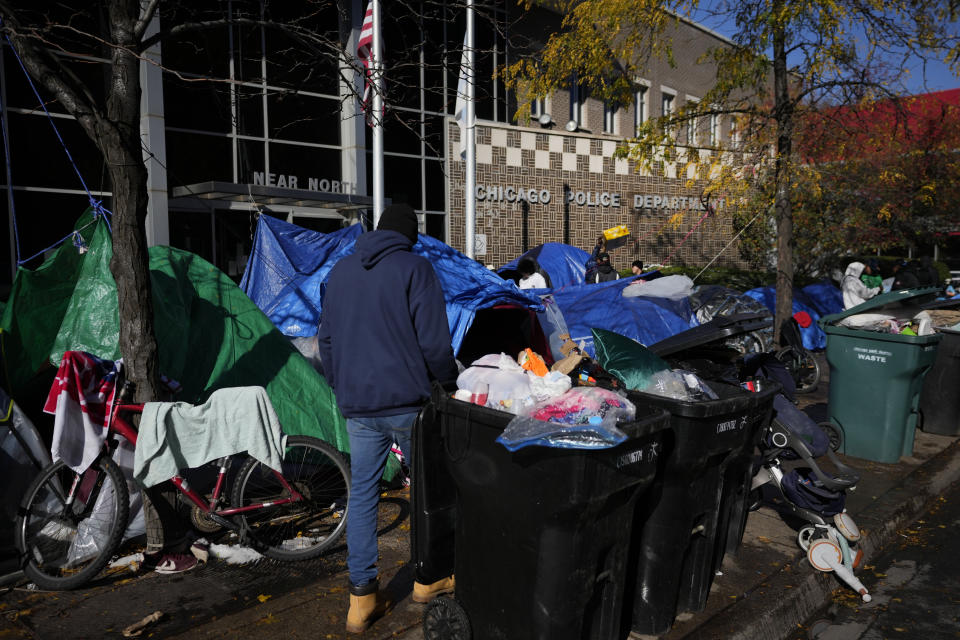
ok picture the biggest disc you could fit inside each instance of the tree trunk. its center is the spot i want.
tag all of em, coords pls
(120, 143)
(783, 108)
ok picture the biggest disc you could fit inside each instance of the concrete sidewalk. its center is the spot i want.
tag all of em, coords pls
(765, 591)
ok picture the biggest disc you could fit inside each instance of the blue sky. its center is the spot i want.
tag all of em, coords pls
(923, 78)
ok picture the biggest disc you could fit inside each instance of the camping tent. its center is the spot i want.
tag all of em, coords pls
(288, 266)
(210, 335)
(564, 264)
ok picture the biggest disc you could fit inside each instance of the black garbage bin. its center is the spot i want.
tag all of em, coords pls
(939, 400)
(540, 535)
(680, 538)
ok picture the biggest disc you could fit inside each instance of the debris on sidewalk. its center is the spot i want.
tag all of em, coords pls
(137, 628)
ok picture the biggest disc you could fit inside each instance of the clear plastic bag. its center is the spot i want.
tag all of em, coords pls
(507, 383)
(679, 385)
(582, 418)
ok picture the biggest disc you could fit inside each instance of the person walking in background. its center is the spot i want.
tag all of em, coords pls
(637, 267)
(383, 336)
(853, 288)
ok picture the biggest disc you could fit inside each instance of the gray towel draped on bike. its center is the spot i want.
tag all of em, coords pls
(179, 435)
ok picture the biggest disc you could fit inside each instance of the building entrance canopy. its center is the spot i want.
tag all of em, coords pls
(205, 195)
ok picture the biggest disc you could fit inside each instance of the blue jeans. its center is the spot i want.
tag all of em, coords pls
(370, 440)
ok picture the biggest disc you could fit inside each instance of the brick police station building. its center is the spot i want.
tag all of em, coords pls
(235, 125)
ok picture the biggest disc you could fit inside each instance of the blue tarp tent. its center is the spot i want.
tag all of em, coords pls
(813, 336)
(824, 296)
(288, 266)
(563, 263)
(646, 320)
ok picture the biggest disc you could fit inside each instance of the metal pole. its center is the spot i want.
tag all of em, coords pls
(470, 191)
(377, 117)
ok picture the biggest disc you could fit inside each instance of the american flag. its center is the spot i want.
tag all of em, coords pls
(365, 53)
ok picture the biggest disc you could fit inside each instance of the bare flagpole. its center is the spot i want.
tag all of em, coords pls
(470, 191)
(377, 117)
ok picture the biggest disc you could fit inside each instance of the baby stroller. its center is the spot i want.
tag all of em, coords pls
(806, 491)
(801, 364)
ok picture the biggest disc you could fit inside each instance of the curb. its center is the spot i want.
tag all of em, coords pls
(789, 597)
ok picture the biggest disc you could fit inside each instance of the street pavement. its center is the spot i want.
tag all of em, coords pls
(764, 591)
(915, 585)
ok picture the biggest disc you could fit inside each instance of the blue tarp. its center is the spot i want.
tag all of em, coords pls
(813, 336)
(288, 266)
(646, 320)
(824, 296)
(563, 263)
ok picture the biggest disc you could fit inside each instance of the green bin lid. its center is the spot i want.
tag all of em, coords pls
(876, 302)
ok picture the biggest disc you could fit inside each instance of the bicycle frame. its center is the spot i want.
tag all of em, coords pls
(118, 425)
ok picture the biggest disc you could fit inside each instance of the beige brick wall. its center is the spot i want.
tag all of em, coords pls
(535, 158)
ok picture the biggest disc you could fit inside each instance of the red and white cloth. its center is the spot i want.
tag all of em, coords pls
(80, 400)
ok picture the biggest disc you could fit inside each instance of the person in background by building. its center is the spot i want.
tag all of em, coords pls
(904, 276)
(529, 277)
(592, 262)
(637, 267)
(927, 273)
(383, 336)
(605, 272)
(853, 288)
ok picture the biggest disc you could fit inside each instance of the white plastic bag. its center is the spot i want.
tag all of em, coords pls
(670, 287)
(508, 386)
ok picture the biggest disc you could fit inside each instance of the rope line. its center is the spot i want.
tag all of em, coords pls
(728, 245)
(699, 222)
(75, 234)
(99, 211)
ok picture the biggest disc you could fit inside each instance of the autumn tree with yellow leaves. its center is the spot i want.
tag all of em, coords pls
(787, 61)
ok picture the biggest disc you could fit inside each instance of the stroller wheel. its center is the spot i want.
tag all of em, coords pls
(805, 536)
(833, 433)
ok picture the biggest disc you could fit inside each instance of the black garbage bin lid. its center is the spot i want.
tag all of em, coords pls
(717, 329)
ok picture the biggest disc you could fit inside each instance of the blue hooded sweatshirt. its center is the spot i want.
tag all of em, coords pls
(383, 332)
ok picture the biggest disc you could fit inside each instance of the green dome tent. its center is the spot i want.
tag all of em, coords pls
(210, 334)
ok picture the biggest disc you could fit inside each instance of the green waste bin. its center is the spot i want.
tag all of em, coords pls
(876, 378)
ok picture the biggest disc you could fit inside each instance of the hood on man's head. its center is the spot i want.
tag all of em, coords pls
(400, 218)
(603, 257)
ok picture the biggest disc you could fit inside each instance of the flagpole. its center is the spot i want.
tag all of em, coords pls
(377, 117)
(470, 191)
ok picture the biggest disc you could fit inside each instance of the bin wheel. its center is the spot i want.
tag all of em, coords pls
(805, 536)
(833, 433)
(445, 619)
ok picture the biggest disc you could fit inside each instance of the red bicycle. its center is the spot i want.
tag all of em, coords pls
(71, 524)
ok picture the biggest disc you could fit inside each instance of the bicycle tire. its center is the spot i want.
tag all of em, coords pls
(808, 374)
(300, 530)
(46, 539)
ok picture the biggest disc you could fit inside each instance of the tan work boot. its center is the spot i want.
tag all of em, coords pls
(367, 604)
(424, 593)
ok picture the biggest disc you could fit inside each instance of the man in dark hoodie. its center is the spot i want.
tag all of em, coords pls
(605, 272)
(383, 336)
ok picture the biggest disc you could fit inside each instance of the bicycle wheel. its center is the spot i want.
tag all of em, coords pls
(65, 545)
(808, 373)
(303, 529)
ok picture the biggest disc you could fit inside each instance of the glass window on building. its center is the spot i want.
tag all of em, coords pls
(714, 129)
(639, 107)
(692, 124)
(610, 113)
(666, 103)
(577, 99)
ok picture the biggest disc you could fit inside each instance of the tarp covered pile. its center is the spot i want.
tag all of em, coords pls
(288, 266)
